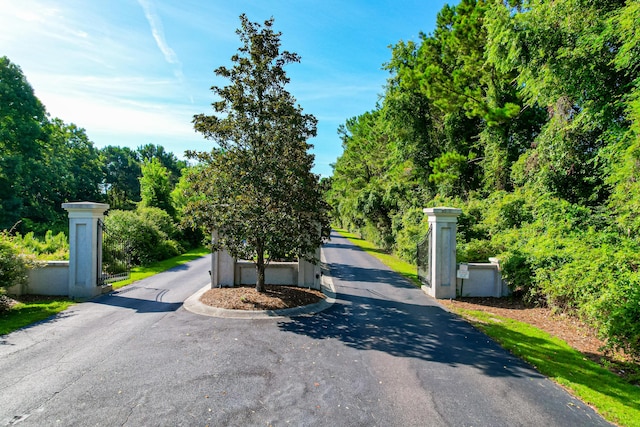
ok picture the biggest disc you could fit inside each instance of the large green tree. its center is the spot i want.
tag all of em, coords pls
(257, 189)
(122, 172)
(67, 169)
(563, 54)
(43, 162)
(169, 160)
(22, 117)
(155, 189)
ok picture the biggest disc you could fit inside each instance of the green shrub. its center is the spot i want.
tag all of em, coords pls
(505, 211)
(160, 219)
(476, 250)
(13, 264)
(412, 227)
(587, 273)
(143, 231)
(518, 271)
(601, 284)
(51, 247)
(471, 224)
(616, 314)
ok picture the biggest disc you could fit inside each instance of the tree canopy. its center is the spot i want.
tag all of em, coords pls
(256, 188)
(21, 135)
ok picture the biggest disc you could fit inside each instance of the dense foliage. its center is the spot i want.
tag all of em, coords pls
(49, 247)
(525, 114)
(256, 189)
(151, 234)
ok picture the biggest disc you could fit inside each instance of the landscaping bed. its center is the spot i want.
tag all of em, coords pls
(276, 297)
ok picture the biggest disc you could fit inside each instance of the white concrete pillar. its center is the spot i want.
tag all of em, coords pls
(85, 247)
(309, 273)
(222, 266)
(443, 222)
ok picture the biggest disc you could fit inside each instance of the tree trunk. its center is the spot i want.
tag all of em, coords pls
(260, 272)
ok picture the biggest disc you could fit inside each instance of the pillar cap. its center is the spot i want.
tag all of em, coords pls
(84, 206)
(85, 209)
(442, 211)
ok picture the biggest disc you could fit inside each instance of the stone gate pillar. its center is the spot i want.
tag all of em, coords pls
(309, 273)
(222, 266)
(85, 247)
(443, 222)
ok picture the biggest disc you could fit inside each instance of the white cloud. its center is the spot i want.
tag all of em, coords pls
(157, 30)
(129, 123)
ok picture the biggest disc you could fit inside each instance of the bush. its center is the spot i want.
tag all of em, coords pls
(476, 250)
(161, 219)
(505, 211)
(147, 232)
(601, 284)
(588, 273)
(50, 248)
(413, 226)
(616, 314)
(13, 265)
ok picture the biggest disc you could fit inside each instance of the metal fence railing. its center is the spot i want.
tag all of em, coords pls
(424, 249)
(114, 257)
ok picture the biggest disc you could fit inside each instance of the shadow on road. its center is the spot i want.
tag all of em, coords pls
(351, 247)
(137, 304)
(369, 316)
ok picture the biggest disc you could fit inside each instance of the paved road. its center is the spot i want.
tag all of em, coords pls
(384, 354)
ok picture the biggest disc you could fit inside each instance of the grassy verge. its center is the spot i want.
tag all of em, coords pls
(34, 310)
(396, 264)
(615, 399)
(139, 273)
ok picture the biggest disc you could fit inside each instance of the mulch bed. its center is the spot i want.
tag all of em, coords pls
(276, 297)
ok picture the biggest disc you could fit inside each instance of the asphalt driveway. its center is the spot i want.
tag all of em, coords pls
(384, 354)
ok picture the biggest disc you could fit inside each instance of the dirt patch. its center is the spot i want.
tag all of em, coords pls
(276, 297)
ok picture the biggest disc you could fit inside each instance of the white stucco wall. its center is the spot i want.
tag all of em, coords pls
(485, 280)
(276, 273)
(52, 278)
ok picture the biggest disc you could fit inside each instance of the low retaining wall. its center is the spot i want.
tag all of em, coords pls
(485, 280)
(299, 273)
(50, 279)
(280, 273)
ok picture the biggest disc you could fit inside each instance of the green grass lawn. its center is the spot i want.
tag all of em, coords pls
(615, 399)
(34, 310)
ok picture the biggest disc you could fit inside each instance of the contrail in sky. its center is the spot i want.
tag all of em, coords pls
(157, 30)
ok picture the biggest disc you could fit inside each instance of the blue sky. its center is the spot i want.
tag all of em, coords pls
(134, 72)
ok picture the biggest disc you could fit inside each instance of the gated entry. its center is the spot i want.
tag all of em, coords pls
(425, 246)
(114, 257)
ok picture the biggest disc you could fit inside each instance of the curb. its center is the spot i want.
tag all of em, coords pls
(194, 305)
